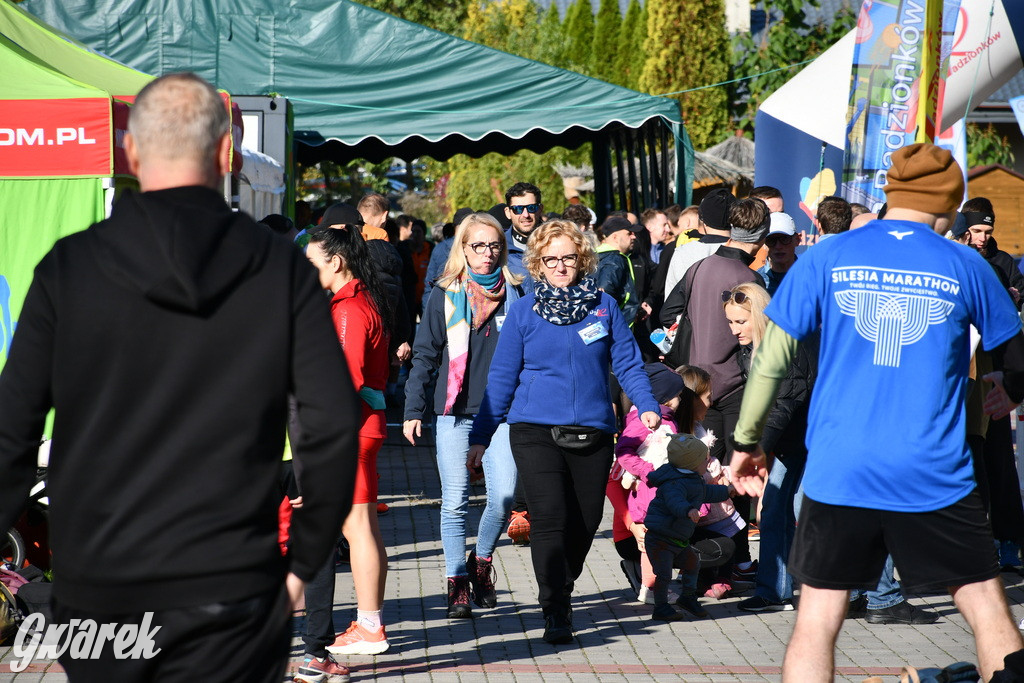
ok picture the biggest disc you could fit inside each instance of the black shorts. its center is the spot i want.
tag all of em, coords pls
(840, 547)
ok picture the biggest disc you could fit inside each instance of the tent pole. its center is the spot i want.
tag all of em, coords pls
(645, 180)
(617, 142)
(657, 197)
(600, 158)
(667, 198)
(630, 138)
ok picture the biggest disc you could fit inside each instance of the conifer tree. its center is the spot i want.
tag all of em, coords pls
(578, 30)
(689, 48)
(606, 41)
(631, 52)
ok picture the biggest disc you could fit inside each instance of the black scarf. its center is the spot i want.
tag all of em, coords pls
(565, 305)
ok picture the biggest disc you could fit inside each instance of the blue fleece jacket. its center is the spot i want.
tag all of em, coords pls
(546, 374)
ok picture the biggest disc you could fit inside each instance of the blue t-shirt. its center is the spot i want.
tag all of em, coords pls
(895, 301)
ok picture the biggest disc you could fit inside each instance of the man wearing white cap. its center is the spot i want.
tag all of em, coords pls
(781, 242)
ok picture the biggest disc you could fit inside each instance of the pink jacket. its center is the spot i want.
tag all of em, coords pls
(633, 435)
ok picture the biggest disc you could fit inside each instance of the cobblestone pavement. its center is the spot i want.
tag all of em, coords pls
(616, 640)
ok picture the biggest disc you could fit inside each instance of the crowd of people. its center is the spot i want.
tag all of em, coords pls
(707, 371)
(575, 363)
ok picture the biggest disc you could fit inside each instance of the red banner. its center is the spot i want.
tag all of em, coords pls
(120, 128)
(69, 137)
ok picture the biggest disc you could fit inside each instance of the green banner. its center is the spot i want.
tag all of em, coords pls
(33, 215)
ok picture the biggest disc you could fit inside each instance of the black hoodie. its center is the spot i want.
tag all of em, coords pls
(168, 338)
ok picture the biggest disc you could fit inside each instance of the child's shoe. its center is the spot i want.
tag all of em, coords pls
(666, 613)
(689, 603)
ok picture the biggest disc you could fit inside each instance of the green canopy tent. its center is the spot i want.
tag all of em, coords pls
(365, 84)
(56, 147)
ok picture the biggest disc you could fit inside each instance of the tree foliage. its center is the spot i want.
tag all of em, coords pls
(790, 38)
(629, 61)
(985, 145)
(605, 47)
(443, 15)
(692, 50)
(579, 36)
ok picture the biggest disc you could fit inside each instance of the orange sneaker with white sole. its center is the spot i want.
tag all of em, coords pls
(358, 640)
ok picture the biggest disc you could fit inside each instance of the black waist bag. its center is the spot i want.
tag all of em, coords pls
(575, 437)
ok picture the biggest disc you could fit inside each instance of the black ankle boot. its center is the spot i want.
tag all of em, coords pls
(458, 598)
(481, 576)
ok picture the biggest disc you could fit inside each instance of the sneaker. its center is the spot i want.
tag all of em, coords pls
(481, 576)
(666, 613)
(690, 603)
(759, 604)
(557, 629)
(382, 509)
(358, 640)
(744, 577)
(901, 613)
(321, 670)
(753, 532)
(458, 598)
(519, 527)
(646, 595)
(718, 591)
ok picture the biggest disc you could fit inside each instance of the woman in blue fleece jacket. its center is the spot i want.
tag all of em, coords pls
(549, 381)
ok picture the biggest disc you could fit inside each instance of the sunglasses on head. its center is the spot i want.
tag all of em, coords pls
(518, 209)
(735, 297)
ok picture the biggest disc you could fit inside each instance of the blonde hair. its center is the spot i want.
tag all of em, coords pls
(586, 263)
(755, 303)
(456, 266)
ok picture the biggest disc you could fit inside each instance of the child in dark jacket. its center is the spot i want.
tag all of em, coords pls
(672, 517)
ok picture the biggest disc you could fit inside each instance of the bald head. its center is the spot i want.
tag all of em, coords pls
(178, 125)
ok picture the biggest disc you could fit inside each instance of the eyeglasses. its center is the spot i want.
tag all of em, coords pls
(569, 260)
(784, 240)
(481, 247)
(735, 297)
(518, 209)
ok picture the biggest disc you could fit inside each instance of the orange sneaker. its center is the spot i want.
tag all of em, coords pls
(358, 640)
(382, 508)
(519, 527)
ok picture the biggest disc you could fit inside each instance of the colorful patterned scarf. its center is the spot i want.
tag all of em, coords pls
(468, 303)
(565, 305)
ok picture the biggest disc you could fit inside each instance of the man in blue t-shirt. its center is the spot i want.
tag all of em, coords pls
(888, 468)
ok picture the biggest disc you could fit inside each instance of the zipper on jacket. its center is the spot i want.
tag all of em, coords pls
(572, 376)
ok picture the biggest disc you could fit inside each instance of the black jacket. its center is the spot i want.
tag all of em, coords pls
(167, 338)
(785, 430)
(430, 357)
(1006, 269)
(389, 266)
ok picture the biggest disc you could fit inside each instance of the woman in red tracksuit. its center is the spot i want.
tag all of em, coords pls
(363, 319)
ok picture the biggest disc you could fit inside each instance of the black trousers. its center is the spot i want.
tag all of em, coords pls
(319, 631)
(721, 419)
(247, 640)
(565, 493)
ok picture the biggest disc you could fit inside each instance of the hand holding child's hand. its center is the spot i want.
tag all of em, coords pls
(694, 515)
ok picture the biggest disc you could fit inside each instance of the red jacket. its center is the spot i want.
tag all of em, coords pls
(365, 342)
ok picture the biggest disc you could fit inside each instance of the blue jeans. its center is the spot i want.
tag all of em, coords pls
(886, 594)
(778, 527)
(499, 476)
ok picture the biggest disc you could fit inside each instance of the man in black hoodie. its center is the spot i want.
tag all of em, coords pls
(167, 338)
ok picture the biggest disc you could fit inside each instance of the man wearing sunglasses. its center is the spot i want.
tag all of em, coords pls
(524, 208)
(781, 243)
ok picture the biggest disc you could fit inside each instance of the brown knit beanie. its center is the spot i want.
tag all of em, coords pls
(925, 178)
